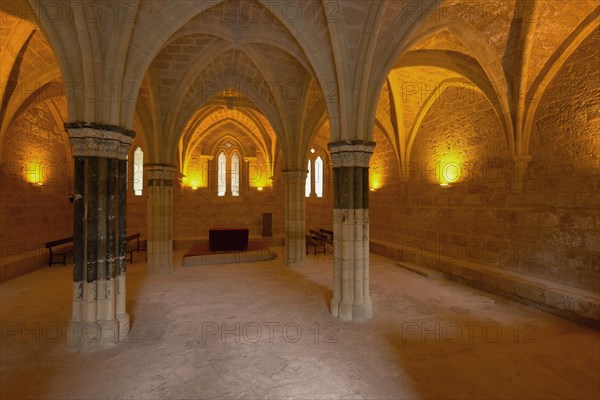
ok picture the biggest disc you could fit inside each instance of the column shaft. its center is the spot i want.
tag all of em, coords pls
(351, 298)
(160, 217)
(295, 217)
(99, 317)
(122, 315)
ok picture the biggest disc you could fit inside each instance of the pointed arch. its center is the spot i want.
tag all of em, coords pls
(319, 176)
(235, 174)
(308, 186)
(221, 174)
(551, 69)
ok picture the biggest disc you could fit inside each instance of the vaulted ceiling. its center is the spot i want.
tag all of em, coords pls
(175, 70)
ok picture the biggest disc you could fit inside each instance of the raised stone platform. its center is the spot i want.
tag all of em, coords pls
(565, 301)
(200, 254)
(184, 243)
(418, 269)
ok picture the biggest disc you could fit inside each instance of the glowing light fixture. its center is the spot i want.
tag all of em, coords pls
(312, 151)
(34, 174)
(260, 189)
(375, 179)
(194, 183)
(450, 169)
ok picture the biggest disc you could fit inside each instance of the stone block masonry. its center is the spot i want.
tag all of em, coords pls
(549, 231)
(36, 184)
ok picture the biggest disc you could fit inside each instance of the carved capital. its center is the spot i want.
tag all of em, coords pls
(160, 174)
(351, 154)
(89, 140)
(294, 176)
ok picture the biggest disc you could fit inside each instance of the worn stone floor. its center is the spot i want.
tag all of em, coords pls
(261, 331)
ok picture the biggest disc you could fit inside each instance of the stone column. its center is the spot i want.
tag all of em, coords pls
(351, 298)
(159, 218)
(99, 316)
(295, 222)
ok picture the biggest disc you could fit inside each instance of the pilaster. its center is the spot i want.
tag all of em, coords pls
(521, 164)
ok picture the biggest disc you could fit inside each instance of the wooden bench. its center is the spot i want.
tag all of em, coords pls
(317, 240)
(61, 247)
(328, 235)
(132, 245)
(64, 247)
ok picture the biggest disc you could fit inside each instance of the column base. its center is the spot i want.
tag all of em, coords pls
(362, 312)
(123, 326)
(351, 312)
(73, 336)
(109, 332)
(291, 263)
(345, 311)
(160, 261)
(334, 307)
(295, 254)
(90, 336)
(160, 269)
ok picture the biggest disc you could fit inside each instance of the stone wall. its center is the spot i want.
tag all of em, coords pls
(551, 230)
(196, 211)
(564, 183)
(34, 150)
(319, 212)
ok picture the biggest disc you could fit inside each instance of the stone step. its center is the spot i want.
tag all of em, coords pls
(419, 269)
(565, 301)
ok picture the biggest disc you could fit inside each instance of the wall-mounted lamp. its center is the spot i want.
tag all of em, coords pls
(260, 189)
(445, 185)
(36, 181)
(194, 187)
(376, 185)
(33, 175)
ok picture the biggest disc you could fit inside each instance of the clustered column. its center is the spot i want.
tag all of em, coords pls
(99, 316)
(160, 217)
(295, 224)
(351, 298)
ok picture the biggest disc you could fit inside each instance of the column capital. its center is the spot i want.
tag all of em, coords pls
(160, 174)
(98, 140)
(160, 171)
(351, 153)
(294, 175)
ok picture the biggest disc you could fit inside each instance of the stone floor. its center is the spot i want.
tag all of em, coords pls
(258, 331)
